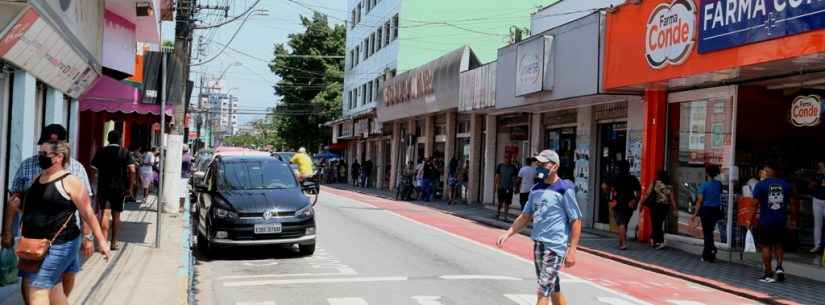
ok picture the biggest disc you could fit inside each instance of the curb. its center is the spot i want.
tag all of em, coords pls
(186, 265)
(745, 293)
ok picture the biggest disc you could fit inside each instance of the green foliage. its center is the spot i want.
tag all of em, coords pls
(310, 87)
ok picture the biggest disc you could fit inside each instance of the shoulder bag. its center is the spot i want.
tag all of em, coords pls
(35, 249)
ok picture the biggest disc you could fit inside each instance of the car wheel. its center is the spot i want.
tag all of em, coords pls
(307, 250)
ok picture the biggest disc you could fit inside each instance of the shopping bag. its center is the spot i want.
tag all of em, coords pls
(750, 244)
(8, 267)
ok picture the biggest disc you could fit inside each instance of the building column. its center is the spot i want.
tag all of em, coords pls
(411, 149)
(653, 138)
(395, 143)
(380, 172)
(429, 121)
(585, 171)
(368, 156)
(490, 136)
(21, 136)
(55, 107)
(475, 158)
(449, 147)
(535, 135)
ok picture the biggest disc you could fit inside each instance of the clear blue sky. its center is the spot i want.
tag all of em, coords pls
(252, 77)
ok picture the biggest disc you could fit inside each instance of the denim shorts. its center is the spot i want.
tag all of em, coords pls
(61, 258)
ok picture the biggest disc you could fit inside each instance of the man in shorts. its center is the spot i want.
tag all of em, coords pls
(504, 181)
(774, 196)
(115, 175)
(556, 220)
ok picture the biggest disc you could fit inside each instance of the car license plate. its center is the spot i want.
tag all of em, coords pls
(268, 228)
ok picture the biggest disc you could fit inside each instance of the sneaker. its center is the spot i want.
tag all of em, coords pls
(816, 250)
(767, 278)
(660, 246)
(780, 274)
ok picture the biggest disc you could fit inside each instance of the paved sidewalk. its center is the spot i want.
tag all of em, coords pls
(138, 273)
(734, 278)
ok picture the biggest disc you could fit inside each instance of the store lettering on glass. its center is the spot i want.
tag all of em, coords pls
(730, 23)
(669, 35)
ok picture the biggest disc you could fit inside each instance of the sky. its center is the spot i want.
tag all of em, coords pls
(251, 78)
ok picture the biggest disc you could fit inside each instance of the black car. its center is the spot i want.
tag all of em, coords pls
(253, 200)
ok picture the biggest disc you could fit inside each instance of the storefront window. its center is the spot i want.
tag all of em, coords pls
(700, 134)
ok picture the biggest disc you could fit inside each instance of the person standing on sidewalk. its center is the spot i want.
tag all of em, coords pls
(527, 178)
(774, 196)
(556, 230)
(504, 182)
(430, 176)
(664, 202)
(185, 174)
(355, 171)
(50, 210)
(28, 171)
(366, 171)
(626, 189)
(115, 175)
(818, 187)
(147, 172)
(709, 209)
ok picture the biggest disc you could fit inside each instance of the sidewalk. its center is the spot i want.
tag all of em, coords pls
(739, 279)
(138, 273)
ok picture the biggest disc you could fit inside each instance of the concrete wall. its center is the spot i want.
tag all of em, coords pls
(585, 164)
(560, 13)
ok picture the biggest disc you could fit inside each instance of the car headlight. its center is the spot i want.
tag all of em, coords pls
(224, 213)
(305, 212)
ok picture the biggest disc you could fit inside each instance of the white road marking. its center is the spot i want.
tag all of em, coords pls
(316, 281)
(680, 302)
(522, 299)
(280, 275)
(252, 264)
(494, 249)
(479, 277)
(614, 301)
(428, 300)
(255, 303)
(347, 301)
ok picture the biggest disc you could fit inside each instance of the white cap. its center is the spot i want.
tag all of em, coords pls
(302, 150)
(548, 155)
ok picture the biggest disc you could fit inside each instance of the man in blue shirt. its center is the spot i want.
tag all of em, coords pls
(556, 228)
(774, 196)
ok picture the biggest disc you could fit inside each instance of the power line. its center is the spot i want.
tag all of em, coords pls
(228, 21)
(227, 44)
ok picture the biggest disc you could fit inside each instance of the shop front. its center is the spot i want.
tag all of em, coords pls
(549, 96)
(729, 93)
(420, 106)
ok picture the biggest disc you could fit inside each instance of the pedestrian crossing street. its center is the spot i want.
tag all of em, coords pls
(507, 299)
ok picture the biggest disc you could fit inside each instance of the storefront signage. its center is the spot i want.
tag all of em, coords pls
(529, 66)
(35, 46)
(83, 18)
(419, 84)
(119, 43)
(670, 32)
(478, 88)
(806, 111)
(727, 24)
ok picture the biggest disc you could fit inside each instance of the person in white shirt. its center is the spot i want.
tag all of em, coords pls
(527, 178)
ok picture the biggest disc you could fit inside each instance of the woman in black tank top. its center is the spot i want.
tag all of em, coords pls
(52, 201)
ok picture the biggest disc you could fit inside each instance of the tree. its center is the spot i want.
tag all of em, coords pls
(310, 87)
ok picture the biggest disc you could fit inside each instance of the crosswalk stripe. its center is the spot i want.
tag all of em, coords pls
(255, 303)
(614, 301)
(428, 300)
(521, 299)
(680, 302)
(347, 301)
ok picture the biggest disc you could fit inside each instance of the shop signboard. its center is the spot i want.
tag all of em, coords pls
(119, 43)
(806, 111)
(529, 66)
(727, 24)
(478, 88)
(35, 46)
(82, 18)
(669, 34)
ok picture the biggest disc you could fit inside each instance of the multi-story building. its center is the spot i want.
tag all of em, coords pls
(387, 37)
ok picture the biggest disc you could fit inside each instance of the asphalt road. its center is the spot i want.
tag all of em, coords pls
(370, 255)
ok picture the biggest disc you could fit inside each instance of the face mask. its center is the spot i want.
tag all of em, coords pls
(542, 172)
(44, 161)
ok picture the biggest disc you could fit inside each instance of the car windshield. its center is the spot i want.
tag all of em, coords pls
(257, 174)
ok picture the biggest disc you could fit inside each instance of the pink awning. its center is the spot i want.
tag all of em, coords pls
(110, 95)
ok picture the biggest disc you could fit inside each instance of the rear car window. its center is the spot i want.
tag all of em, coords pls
(256, 174)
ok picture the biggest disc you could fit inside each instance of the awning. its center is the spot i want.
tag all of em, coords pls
(110, 95)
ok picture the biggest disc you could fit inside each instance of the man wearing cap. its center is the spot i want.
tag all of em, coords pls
(556, 220)
(23, 178)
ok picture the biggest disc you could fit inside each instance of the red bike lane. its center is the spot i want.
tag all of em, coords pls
(639, 284)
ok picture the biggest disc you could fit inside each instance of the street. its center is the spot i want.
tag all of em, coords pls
(374, 253)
